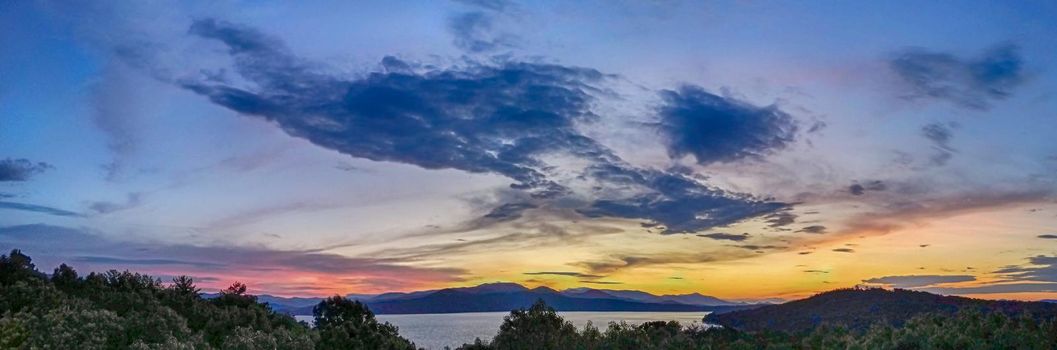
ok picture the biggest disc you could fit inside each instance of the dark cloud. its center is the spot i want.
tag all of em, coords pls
(677, 203)
(602, 282)
(563, 273)
(996, 288)
(622, 262)
(726, 236)
(804, 253)
(20, 169)
(859, 189)
(755, 247)
(971, 83)
(501, 118)
(104, 207)
(781, 218)
(940, 135)
(496, 119)
(918, 281)
(474, 32)
(38, 209)
(713, 128)
(509, 211)
(1038, 275)
(816, 229)
(844, 250)
(1048, 236)
(1041, 268)
(816, 271)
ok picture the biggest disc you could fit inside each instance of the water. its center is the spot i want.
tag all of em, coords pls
(435, 331)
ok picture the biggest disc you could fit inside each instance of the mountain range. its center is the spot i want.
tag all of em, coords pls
(504, 297)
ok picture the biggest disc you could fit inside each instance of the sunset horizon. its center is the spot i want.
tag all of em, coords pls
(748, 151)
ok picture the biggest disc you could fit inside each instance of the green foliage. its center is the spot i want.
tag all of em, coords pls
(541, 328)
(859, 309)
(347, 324)
(126, 310)
(538, 327)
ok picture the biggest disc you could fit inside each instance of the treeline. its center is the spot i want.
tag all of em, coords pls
(858, 309)
(540, 327)
(125, 310)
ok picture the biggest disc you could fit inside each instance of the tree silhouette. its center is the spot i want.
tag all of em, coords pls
(348, 324)
(184, 286)
(538, 327)
(65, 278)
(18, 267)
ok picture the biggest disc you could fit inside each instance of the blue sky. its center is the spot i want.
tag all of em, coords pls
(322, 147)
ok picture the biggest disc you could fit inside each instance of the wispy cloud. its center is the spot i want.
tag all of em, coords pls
(918, 281)
(858, 189)
(38, 209)
(563, 273)
(940, 135)
(973, 83)
(726, 236)
(132, 200)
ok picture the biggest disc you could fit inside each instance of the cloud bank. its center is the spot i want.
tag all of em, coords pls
(508, 118)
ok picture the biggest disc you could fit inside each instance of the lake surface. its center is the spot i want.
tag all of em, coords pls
(435, 331)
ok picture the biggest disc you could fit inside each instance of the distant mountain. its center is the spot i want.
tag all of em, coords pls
(858, 309)
(508, 296)
(284, 304)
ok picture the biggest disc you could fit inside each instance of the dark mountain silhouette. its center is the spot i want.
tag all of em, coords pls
(858, 309)
(508, 296)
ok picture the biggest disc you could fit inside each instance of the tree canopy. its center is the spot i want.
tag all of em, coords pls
(127, 310)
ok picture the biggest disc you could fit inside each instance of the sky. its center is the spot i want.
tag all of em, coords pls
(742, 149)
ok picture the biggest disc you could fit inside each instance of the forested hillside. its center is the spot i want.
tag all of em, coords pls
(125, 310)
(859, 309)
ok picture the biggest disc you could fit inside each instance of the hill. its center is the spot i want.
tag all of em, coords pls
(858, 309)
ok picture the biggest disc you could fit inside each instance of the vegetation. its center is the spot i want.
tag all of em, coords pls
(540, 327)
(858, 309)
(125, 310)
